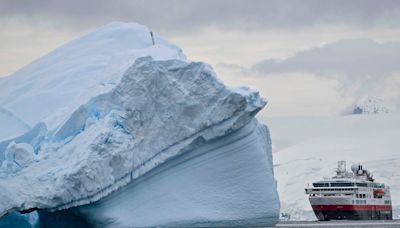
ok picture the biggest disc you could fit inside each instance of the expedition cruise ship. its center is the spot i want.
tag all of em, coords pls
(350, 195)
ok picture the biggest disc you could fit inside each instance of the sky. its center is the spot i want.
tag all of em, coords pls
(307, 58)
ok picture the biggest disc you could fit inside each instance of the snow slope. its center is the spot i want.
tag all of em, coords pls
(11, 125)
(53, 86)
(307, 149)
(159, 111)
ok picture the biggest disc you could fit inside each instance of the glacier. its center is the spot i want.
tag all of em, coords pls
(138, 136)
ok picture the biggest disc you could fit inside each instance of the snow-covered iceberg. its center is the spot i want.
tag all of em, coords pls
(168, 145)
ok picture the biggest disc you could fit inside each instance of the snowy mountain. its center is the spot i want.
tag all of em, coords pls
(370, 106)
(122, 125)
(307, 149)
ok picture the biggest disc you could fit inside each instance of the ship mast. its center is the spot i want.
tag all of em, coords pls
(341, 169)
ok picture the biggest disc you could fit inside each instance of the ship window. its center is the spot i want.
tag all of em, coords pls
(376, 185)
(321, 185)
(362, 185)
(341, 184)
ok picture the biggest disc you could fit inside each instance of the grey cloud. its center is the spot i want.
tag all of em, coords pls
(361, 65)
(183, 15)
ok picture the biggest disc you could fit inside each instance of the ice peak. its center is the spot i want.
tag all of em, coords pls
(81, 69)
(123, 30)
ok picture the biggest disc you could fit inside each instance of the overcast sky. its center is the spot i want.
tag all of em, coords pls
(306, 57)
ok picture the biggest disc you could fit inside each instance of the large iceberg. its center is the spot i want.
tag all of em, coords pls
(167, 145)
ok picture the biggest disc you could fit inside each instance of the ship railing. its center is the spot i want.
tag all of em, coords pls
(332, 190)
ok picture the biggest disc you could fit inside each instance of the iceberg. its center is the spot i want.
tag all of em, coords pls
(167, 145)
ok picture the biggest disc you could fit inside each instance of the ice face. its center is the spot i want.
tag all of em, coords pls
(160, 110)
(224, 182)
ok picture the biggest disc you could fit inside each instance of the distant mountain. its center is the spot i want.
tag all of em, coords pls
(370, 106)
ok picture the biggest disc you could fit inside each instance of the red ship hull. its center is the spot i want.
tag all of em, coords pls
(353, 212)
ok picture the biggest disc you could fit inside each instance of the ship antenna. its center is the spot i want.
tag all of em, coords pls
(152, 37)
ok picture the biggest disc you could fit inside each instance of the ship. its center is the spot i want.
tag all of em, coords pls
(350, 196)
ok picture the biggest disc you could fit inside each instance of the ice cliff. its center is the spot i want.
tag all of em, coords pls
(166, 144)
